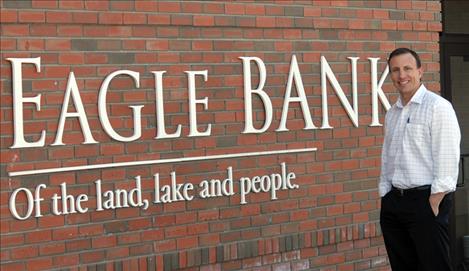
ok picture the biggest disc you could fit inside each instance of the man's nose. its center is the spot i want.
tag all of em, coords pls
(402, 74)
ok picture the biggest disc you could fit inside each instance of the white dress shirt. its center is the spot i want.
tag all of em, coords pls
(421, 144)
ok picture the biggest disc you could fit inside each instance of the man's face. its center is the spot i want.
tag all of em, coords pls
(405, 75)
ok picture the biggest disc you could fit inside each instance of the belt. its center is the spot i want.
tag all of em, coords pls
(402, 192)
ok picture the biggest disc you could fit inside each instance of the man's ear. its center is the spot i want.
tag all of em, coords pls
(420, 71)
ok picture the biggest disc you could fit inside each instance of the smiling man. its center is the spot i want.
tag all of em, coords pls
(419, 171)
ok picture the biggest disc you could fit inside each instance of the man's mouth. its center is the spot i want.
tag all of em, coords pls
(403, 83)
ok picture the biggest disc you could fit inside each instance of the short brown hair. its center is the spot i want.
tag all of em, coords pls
(401, 51)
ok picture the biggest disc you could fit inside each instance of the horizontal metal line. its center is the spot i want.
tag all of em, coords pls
(154, 162)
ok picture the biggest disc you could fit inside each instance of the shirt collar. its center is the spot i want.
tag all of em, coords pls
(417, 98)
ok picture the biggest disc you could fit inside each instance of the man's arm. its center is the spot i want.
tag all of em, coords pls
(384, 184)
(446, 138)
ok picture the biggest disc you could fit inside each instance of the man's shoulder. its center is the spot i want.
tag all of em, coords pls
(434, 100)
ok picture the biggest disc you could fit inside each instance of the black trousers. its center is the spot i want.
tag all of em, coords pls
(416, 239)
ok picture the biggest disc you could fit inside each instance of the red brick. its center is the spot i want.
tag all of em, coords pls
(121, 5)
(69, 30)
(404, 25)
(12, 240)
(419, 5)
(189, 7)
(210, 7)
(85, 17)
(202, 45)
(104, 241)
(51, 221)
(58, 17)
(54, 248)
(165, 245)
(407, 4)
(111, 18)
(15, 30)
(435, 26)
(43, 30)
(187, 242)
(134, 18)
(96, 5)
(44, 4)
(93, 256)
(31, 17)
(170, 7)
(234, 8)
(203, 20)
(31, 44)
(158, 19)
(275, 10)
(24, 252)
(312, 11)
(427, 16)
(380, 14)
(58, 45)
(63, 234)
(8, 16)
(255, 10)
(157, 45)
(434, 6)
(39, 264)
(39, 236)
(284, 22)
(389, 25)
(66, 260)
(265, 22)
(72, 4)
(71, 58)
(146, 6)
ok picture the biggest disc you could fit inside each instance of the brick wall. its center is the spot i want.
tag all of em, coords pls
(331, 222)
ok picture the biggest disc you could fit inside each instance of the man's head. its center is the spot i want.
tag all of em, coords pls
(406, 72)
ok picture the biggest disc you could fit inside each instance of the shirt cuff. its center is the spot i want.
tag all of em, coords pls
(444, 185)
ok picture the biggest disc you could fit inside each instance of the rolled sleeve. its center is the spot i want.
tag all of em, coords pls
(446, 138)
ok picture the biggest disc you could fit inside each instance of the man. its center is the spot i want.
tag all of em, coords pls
(419, 170)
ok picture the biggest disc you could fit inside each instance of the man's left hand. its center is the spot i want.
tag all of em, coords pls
(435, 200)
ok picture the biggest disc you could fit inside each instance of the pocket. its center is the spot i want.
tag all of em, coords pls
(386, 196)
(428, 207)
(445, 208)
(386, 205)
(431, 209)
(417, 133)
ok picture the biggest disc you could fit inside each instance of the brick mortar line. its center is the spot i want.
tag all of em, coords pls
(214, 39)
(191, 64)
(246, 28)
(227, 51)
(215, 16)
(240, 3)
